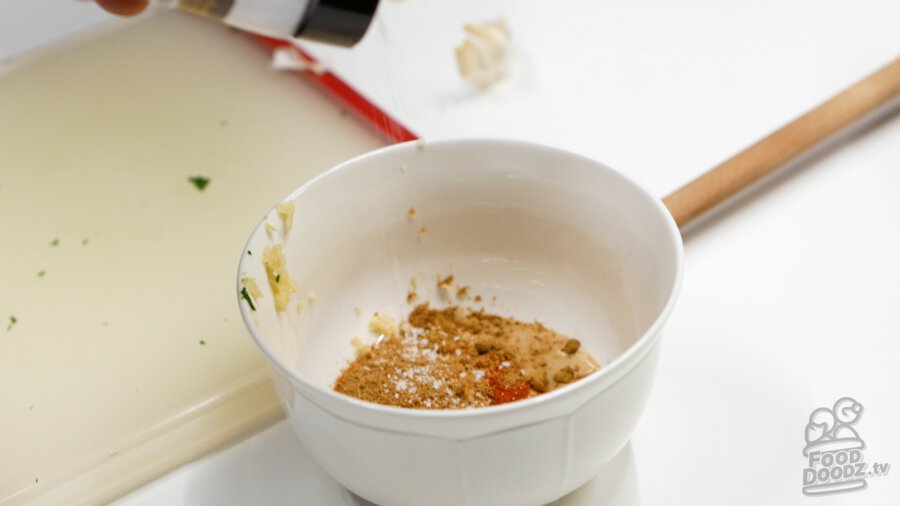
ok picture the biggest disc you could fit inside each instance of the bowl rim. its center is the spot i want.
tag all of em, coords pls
(627, 359)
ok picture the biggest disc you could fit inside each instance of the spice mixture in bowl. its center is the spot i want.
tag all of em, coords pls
(455, 358)
(431, 310)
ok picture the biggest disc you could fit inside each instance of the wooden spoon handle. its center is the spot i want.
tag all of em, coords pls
(782, 146)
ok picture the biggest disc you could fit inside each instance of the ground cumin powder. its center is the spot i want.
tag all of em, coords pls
(455, 358)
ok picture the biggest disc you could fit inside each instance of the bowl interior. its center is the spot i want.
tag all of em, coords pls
(537, 233)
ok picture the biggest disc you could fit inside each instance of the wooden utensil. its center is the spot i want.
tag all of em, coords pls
(784, 145)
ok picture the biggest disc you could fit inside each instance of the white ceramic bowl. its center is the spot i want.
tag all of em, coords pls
(552, 235)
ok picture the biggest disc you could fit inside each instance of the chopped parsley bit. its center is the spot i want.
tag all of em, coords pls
(54, 242)
(12, 321)
(41, 274)
(84, 241)
(249, 252)
(202, 342)
(199, 182)
(246, 296)
(278, 278)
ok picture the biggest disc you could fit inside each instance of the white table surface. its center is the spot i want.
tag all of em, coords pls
(789, 303)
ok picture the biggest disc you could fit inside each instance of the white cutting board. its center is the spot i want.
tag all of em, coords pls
(104, 381)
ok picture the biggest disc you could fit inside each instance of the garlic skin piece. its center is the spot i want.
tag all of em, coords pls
(290, 60)
(483, 58)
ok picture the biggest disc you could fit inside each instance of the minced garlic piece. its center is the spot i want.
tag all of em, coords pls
(252, 287)
(270, 230)
(384, 326)
(283, 287)
(285, 211)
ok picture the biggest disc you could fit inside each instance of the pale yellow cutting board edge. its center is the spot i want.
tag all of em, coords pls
(115, 469)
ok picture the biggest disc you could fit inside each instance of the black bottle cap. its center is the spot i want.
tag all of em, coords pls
(339, 22)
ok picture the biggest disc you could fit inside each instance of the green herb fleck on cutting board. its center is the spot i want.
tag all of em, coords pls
(12, 321)
(41, 274)
(54, 243)
(202, 342)
(199, 182)
(84, 242)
